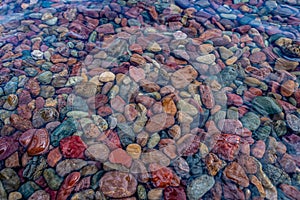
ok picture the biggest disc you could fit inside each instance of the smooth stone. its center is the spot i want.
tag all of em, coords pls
(11, 86)
(52, 179)
(236, 173)
(293, 121)
(3, 194)
(153, 140)
(52, 21)
(155, 156)
(68, 165)
(39, 143)
(183, 3)
(276, 175)
(283, 64)
(9, 179)
(11, 102)
(159, 122)
(65, 129)
(117, 184)
(119, 156)
(44, 116)
(225, 53)
(14, 196)
(262, 133)
(86, 89)
(141, 192)
(251, 121)
(107, 77)
(28, 188)
(199, 186)
(37, 54)
(207, 59)
(266, 105)
(39, 195)
(74, 80)
(134, 150)
(77, 114)
(183, 77)
(155, 194)
(228, 74)
(186, 107)
(72, 147)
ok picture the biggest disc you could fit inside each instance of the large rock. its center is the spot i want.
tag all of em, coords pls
(182, 77)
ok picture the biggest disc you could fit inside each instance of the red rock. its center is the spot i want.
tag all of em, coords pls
(288, 164)
(20, 123)
(174, 193)
(33, 87)
(118, 184)
(137, 59)
(119, 156)
(24, 111)
(227, 146)
(111, 139)
(188, 144)
(77, 30)
(104, 111)
(163, 176)
(287, 107)
(105, 29)
(257, 57)
(24, 97)
(53, 157)
(39, 143)
(145, 100)
(130, 112)
(234, 99)
(149, 86)
(72, 147)
(230, 126)
(56, 58)
(159, 122)
(207, 96)
(12, 161)
(258, 149)
(68, 186)
(236, 173)
(157, 108)
(118, 104)
(248, 163)
(183, 77)
(26, 137)
(136, 48)
(136, 74)
(290, 191)
(297, 96)
(97, 101)
(209, 34)
(231, 191)
(8, 145)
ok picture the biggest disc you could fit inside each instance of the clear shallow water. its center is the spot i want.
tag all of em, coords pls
(155, 100)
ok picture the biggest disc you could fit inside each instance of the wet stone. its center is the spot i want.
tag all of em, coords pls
(266, 105)
(39, 143)
(117, 184)
(67, 128)
(72, 147)
(52, 179)
(251, 121)
(236, 173)
(9, 179)
(199, 186)
(66, 166)
(44, 116)
(163, 176)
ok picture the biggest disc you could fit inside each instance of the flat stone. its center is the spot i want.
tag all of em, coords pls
(117, 184)
(107, 77)
(294, 122)
(9, 179)
(155, 156)
(266, 105)
(236, 173)
(258, 149)
(183, 77)
(251, 121)
(159, 122)
(199, 186)
(187, 108)
(68, 165)
(67, 128)
(283, 64)
(207, 59)
(119, 156)
(225, 53)
(93, 150)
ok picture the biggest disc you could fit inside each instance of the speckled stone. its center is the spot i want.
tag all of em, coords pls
(199, 186)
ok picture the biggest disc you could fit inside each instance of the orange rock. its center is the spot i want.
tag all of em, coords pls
(237, 174)
(169, 106)
(287, 88)
(39, 143)
(53, 157)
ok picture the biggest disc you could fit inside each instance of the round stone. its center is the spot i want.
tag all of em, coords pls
(199, 186)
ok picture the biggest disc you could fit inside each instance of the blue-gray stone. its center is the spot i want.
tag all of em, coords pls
(11, 86)
(65, 129)
(45, 77)
(183, 3)
(31, 71)
(1, 92)
(251, 121)
(266, 105)
(262, 133)
(228, 75)
(28, 188)
(199, 186)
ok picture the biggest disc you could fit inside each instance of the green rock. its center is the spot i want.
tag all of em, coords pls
(266, 105)
(232, 113)
(280, 128)
(154, 140)
(93, 36)
(141, 192)
(262, 133)
(186, 107)
(65, 129)
(95, 179)
(276, 175)
(52, 179)
(9, 179)
(250, 121)
(3, 194)
(28, 188)
(45, 77)
(199, 186)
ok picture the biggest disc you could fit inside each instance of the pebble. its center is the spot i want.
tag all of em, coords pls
(183, 77)
(199, 186)
(68, 165)
(117, 184)
(159, 122)
(207, 59)
(266, 105)
(236, 173)
(107, 77)
(293, 121)
(67, 128)
(119, 156)
(134, 150)
(93, 150)
(251, 121)
(258, 149)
